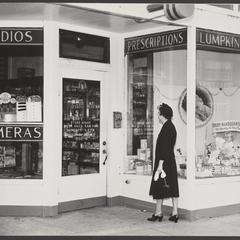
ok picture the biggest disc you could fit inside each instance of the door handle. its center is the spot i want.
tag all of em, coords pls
(104, 162)
(105, 152)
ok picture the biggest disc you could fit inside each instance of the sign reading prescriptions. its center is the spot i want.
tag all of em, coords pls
(226, 126)
(157, 41)
(15, 36)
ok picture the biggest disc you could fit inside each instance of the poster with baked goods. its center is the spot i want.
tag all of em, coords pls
(204, 106)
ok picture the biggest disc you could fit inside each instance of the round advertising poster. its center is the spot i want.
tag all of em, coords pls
(203, 108)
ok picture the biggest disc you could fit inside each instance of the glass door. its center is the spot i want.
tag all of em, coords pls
(81, 127)
(83, 170)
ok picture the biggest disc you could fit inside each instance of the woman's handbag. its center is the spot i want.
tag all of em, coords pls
(163, 176)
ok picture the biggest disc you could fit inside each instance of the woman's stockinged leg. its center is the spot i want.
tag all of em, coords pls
(175, 206)
(159, 203)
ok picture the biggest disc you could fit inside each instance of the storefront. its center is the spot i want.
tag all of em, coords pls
(195, 69)
(79, 104)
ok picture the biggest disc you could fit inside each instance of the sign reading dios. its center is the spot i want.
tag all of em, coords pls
(14, 36)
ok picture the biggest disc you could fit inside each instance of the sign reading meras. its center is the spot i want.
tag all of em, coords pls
(217, 41)
(21, 133)
(16, 36)
(157, 41)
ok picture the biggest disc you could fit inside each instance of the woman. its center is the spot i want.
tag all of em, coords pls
(162, 188)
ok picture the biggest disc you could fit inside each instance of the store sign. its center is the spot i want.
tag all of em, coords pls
(21, 133)
(157, 41)
(21, 36)
(226, 126)
(215, 40)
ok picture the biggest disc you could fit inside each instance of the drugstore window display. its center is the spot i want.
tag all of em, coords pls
(153, 78)
(81, 127)
(21, 106)
(218, 142)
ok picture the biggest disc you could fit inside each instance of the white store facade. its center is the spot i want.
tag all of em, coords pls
(79, 89)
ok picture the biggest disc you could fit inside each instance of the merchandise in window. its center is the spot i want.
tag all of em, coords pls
(21, 103)
(81, 127)
(217, 92)
(140, 114)
(218, 140)
(154, 78)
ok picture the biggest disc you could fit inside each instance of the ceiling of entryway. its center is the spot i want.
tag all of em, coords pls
(73, 14)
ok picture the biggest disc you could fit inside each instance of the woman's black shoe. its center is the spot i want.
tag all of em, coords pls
(174, 218)
(155, 218)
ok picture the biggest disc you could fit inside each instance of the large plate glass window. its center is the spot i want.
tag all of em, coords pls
(81, 127)
(156, 73)
(21, 103)
(217, 97)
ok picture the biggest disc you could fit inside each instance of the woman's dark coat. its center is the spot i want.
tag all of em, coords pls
(165, 151)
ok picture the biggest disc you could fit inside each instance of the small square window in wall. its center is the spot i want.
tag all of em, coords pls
(82, 46)
(21, 103)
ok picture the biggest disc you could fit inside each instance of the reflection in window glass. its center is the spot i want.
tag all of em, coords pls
(154, 78)
(170, 82)
(218, 135)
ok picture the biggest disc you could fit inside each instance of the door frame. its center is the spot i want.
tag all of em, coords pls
(73, 192)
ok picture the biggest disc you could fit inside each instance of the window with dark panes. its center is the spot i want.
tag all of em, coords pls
(82, 46)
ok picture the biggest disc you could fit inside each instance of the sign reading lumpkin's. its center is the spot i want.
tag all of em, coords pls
(215, 40)
(158, 41)
(21, 133)
(15, 36)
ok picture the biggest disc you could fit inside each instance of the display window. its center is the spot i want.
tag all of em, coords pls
(156, 73)
(21, 103)
(217, 95)
(81, 127)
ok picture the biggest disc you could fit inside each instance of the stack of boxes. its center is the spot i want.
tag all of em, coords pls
(143, 164)
(29, 109)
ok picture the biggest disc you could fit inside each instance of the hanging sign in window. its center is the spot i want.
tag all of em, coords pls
(162, 41)
(217, 41)
(16, 36)
(21, 133)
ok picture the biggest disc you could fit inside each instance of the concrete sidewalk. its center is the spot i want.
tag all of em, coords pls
(116, 221)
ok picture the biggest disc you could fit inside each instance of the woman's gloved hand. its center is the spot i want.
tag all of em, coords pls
(158, 174)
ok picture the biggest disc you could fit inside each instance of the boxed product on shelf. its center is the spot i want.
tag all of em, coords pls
(139, 167)
(142, 155)
(34, 108)
(131, 162)
(73, 168)
(143, 144)
(21, 108)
